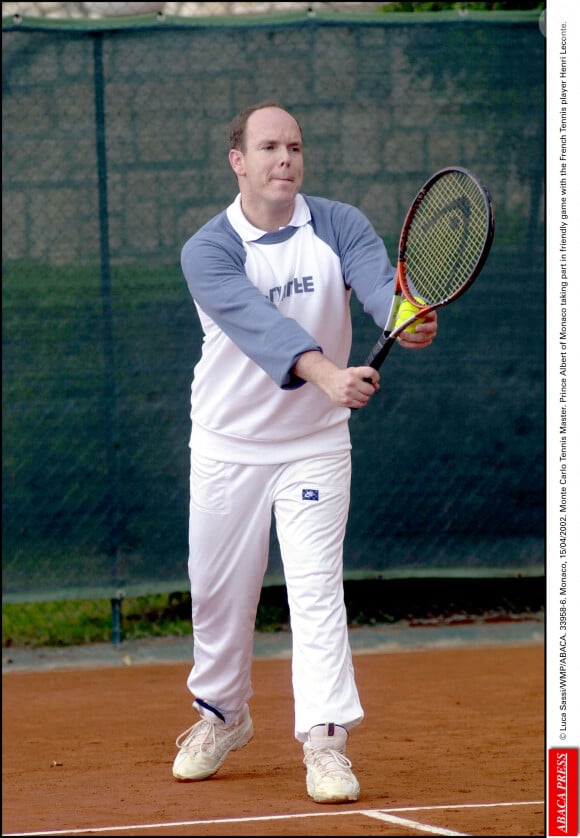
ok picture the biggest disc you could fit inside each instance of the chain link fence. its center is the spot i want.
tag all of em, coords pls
(115, 151)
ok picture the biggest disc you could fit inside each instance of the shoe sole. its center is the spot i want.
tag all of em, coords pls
(213, 771)
(336, 799)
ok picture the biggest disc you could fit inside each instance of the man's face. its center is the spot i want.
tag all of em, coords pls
(270, 170)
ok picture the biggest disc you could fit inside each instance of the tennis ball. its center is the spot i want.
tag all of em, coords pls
(407, 310)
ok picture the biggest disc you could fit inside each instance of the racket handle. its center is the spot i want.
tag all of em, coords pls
(380, 351)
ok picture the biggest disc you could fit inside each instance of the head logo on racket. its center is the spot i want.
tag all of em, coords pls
(444, 242)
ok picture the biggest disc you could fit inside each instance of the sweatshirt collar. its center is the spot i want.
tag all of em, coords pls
(249, 233)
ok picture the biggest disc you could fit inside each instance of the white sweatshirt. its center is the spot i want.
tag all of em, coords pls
(263, 299)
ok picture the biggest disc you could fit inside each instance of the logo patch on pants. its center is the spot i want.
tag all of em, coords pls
(309, 494)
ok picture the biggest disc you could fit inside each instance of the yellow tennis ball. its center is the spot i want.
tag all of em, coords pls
(407, 310)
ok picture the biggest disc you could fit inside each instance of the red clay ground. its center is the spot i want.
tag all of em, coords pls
(460, 728)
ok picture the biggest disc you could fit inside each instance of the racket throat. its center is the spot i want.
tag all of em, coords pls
(393, 314)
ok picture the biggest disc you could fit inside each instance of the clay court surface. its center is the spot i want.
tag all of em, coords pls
(452, 744)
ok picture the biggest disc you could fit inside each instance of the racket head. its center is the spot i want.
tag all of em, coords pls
(445, 239)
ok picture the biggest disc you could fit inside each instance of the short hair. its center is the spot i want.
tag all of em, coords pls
(240, 121)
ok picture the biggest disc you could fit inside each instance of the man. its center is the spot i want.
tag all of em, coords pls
(271, 277)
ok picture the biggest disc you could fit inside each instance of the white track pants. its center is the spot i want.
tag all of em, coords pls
(229, 534)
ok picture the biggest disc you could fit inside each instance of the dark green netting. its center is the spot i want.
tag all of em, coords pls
(115, 151)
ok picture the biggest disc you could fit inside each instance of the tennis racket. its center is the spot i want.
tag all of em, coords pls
(444, 243)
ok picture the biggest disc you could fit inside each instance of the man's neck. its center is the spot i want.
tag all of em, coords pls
(267, 218)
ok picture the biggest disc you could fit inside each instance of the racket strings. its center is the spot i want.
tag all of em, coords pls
(446, 237)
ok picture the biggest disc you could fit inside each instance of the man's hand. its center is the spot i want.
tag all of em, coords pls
(346, 388)
(423, 335)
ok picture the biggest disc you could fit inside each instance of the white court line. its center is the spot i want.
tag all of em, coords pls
(417, 825)
(461, 806)
(373, 813)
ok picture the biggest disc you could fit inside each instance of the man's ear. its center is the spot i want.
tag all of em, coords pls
(236, 159)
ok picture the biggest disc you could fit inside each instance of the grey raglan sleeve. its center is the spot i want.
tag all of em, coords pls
(213, 266)
(365, 262)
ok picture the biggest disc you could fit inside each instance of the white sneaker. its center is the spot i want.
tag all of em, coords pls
(204, 746)
(328, 775)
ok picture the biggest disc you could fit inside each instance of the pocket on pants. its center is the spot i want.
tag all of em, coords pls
(208, 483)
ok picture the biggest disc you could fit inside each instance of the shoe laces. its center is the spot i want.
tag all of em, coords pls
(331, 762)
(199, 737)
